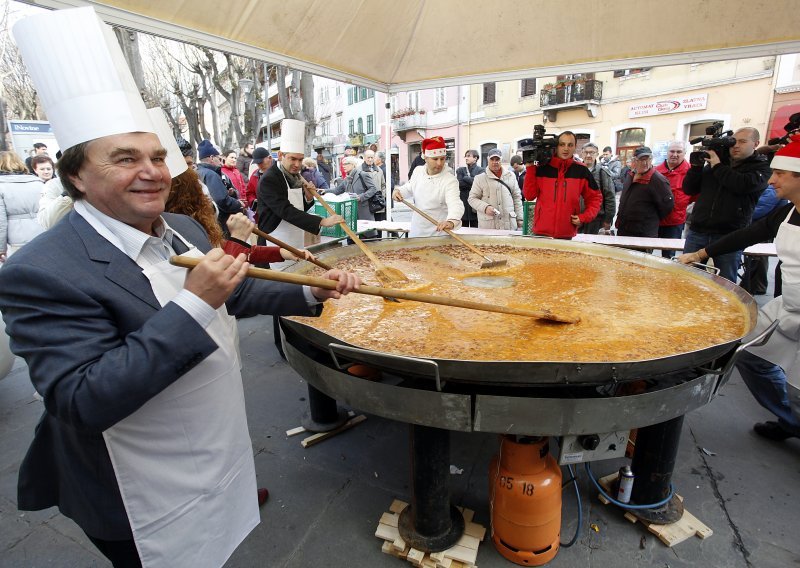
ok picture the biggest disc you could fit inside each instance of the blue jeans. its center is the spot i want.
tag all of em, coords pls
(670, 232)
(767, 383)
(728, 263)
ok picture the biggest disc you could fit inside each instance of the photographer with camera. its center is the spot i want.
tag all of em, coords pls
(727, 189)
(557, 184)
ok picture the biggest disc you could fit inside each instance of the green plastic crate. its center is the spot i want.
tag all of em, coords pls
(527, 217)
(347, 209)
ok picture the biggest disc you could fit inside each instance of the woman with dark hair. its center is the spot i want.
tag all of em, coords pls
(186, 197)
(43, 167)
(19, 203)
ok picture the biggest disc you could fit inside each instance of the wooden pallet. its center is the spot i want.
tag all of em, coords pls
(672, 534)
(353, 420)
(461, 555)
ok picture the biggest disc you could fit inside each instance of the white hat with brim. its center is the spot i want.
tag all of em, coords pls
(80, 75)
(293, 136)
(175, 162)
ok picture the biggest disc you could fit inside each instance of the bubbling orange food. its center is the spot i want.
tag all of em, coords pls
(628, 311)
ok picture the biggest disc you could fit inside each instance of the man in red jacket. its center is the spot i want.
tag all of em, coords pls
(674, 168)
(557, 187)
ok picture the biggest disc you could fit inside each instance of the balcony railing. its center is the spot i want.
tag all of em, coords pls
(409, 122)
(577, 92)
(357, 139)
(322, 141)
(371, 138)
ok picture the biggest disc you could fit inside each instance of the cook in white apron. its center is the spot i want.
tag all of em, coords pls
(285, 231)
(783, 348)
(184, 461)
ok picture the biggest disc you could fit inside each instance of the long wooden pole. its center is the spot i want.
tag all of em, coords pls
(302, 279)
(295, 251)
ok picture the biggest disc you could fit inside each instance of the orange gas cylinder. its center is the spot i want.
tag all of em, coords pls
(525, 493)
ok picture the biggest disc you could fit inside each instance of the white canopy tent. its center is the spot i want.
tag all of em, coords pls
(402, 45)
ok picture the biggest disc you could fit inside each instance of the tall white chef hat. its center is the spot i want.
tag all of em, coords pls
(80, 75)
(293, 136)
(175, 162)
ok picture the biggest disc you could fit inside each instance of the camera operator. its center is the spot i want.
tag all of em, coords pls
(557, 186)
(726, 196)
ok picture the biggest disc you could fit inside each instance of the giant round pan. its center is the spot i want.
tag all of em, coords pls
(528, 372)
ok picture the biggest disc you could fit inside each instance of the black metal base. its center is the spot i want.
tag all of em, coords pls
(431, 543)
(323, 414)
(667, 514)
(316, 426)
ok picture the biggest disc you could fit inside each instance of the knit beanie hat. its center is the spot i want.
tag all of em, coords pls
(206, 149)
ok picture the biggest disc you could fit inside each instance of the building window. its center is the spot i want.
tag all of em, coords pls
(338, 124)
(413, 99)
(352, 127)
(439, 100)
(323, 95)
(363, 93)
(338, 90)
(628, 72)
(527, 88)
(489, 96)
(627, 141)
(485, 151)
(370, 124)
(360, 126)
(350, 96)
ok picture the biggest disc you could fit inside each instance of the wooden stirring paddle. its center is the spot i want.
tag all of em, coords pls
(489, 263)
(291, 278)
(386, 275)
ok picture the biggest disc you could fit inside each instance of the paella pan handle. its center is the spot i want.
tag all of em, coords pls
(370, 357)
(701, 266)
(725, 372)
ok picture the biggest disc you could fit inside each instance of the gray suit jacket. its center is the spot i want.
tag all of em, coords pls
(98, 346)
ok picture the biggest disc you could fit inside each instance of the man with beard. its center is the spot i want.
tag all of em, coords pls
(433, 190)
(726, 196)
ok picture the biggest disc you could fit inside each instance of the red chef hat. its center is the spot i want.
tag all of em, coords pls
(433, 147)
(787, 158)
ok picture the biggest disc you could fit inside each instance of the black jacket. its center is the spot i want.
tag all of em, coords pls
(274, 205)
(465, 177)
(643, 205)
(727, 195)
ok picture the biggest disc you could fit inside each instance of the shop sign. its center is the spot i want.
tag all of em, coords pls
(669, 106)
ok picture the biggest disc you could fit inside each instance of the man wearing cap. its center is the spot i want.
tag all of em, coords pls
(772, 371)
(726, 196)
(466, 175)
(210, 173)
(434, 190)
(558, 187)
(495, 196)
(262, 158)
(646, 198)
(674, 168)
(144, 440)
(282, 202)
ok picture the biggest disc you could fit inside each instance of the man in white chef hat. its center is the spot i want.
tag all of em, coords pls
(144, 440)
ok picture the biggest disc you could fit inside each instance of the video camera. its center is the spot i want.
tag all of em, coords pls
(792, 127)
(540, 148)
(715, 139)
